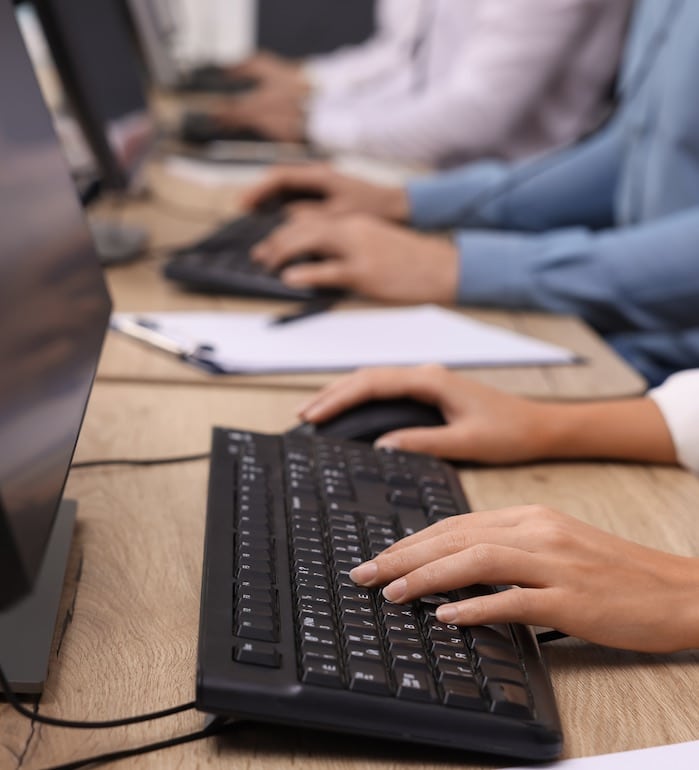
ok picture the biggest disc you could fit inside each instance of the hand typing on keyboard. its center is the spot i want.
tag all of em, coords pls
(285, 631)
(570, 576)
(336, 193)
(372, 258)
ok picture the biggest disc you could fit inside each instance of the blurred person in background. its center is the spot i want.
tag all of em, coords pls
(606, 230)
(442, 82)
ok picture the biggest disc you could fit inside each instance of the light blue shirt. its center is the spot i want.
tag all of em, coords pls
(609, 229)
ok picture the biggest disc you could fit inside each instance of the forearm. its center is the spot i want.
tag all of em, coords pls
(639, 277)
(568, 187)
(685, 624)
(632, 430)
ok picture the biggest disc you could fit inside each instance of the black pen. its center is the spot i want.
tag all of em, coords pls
(310, 308)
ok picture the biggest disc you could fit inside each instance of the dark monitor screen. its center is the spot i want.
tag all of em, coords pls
(96, 59)
(300, 28)
(54, 309)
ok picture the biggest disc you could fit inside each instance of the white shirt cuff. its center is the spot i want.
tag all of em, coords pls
(331, 127)
(678, 400)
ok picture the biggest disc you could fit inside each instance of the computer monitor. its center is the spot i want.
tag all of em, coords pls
(54, 311)
(307, 27)
(154, 27)
(96, 59)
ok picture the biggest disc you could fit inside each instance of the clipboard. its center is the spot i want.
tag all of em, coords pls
(341, 340)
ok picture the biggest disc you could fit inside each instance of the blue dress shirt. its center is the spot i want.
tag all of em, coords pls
(609, 229)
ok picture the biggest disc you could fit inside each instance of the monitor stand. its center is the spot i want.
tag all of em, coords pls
(27, 627)
(117, 242)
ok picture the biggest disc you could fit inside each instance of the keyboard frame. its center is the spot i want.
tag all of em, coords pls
(275, 695)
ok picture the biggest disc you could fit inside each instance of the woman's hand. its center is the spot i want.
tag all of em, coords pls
(570, 576)
(483, 424)
(489, 426)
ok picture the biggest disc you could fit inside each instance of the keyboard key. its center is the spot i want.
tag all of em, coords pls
(463, 694)
(414, 685)
(324, 673)
(262, 629)
(509, 699)
(501, 671)
(257, 654)
(368, 677)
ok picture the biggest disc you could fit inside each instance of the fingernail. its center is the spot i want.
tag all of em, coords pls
(395, 591)
(364, 573)
(446, 613)
(387, 442)
(311, 411)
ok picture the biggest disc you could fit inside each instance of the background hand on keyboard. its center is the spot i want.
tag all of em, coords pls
(364, 255)
(271, 71)
(490, 426)
(571, 576)
(342, 194)
(272, 112)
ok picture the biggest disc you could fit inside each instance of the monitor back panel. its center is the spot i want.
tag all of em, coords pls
(54, 309)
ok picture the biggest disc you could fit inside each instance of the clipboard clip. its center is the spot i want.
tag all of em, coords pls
(147, 331)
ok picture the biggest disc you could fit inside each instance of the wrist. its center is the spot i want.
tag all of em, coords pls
(395, 205)
(631, 429)
(683, 620)
(441, 276)
(547, 429)
(301, 79)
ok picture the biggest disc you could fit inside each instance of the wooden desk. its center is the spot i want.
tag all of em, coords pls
(177, 211)
(131, 644)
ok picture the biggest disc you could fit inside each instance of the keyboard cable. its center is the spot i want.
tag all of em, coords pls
(213, 729)
(141, 461)
(114, 756)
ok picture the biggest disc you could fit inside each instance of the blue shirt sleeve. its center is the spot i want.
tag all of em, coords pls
(643, 277)
(575, 186)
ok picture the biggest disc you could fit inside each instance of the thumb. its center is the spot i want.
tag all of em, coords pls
(445, 441)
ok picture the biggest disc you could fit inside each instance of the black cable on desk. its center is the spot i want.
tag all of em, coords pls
(75, 724)
(115, 756)
(142, 462)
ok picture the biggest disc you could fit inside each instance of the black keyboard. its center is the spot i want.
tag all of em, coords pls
(215, 79)
(286, 636)
(202, 128)
(221, 262)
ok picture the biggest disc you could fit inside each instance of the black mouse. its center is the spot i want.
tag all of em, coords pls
(371, 419)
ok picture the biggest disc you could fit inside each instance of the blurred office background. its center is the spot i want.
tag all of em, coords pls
(221, 30)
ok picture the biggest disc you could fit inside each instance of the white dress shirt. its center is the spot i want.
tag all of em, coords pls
(377, 62)
(678, 400)
(449, 81)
